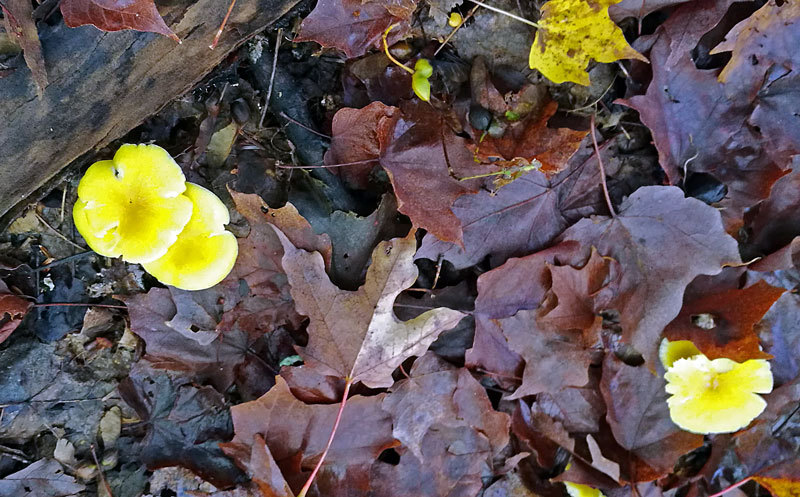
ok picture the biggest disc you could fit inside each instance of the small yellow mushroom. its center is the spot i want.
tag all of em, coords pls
(718, 396)
(133, 205)
(669, 352)
(204, 252)
(580, 490)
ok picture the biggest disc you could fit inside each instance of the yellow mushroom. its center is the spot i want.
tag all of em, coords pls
(718, 396)
(204, 252)
(580, 490)
(133, 205)
(671, 351)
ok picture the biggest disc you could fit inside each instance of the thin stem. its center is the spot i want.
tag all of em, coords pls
(391, 57)
(602, 170)
(453, 32)
(222, 26)
(343, 164)
(313, 475)
(735, 485)
(271, 77)
(69, 304)
(100, 470)
(298, 123)
(509, 14)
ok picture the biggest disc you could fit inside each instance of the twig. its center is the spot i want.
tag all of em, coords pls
(602, 170)
(355, 163)
(298, 123)
(58, 233)
(509, 14)
(62, 261)
(271, 77)
(222, 26)
(453, 32)
(100, 471)
(70, 304)
(313, 474)
(735, 485)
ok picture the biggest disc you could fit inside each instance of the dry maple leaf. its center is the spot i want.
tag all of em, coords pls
(116, 15)
(571, 33)
(355, 335)
(355, 26)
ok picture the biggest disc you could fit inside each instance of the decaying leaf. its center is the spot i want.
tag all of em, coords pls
(571, 33)
(659, 226)
(354, 26)
(355, 335)
(639, 418)
(524, 216)
(115, 15)
(296, 433)
(419, 157)
(720, 318)
(12, 309)
(43, 478)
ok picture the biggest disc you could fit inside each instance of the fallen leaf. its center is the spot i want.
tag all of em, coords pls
(12, 310)
(699, 124)
(553, 361)
(357, 135)
(116, 15)
(781, 331)
(353, 26)
(570, 34)
(524, 216)
(571, 304)
(296, 435)
(773, 224)
(659, 226)
(543, 434)
(532, 139)
(19, 22)
(355, 335)
(436, 395)
(421, 152)
(43, 478)
(639, 8)
(184, 424)
(516, 285)
(761, 63)
(786, 485)
(720, 318)
(639, 418)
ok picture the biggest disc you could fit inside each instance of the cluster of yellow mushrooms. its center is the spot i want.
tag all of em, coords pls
(139, 206)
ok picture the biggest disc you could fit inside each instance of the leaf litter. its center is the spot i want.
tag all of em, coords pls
(533, 298)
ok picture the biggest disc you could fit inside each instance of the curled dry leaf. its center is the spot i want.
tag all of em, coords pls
(355, 335)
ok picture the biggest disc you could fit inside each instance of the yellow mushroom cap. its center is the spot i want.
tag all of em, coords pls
(580, 490)
(204, 252)
(133, 205)
(718, 396)
(671, 351)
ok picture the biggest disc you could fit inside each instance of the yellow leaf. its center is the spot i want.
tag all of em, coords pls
(779, 487)
(571, 33)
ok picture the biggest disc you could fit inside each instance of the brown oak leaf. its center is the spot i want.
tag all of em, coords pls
(355, 335)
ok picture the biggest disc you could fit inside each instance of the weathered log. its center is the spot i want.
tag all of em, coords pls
(101, 85)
